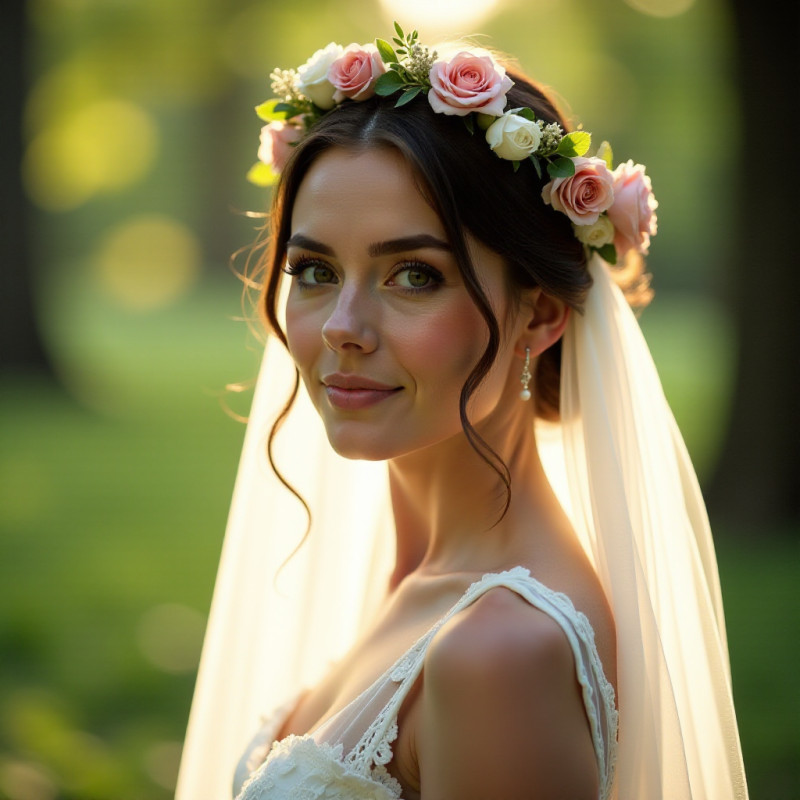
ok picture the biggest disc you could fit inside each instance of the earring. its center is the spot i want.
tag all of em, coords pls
(526, 376)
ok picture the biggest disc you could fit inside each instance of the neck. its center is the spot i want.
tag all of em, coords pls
(448, 502)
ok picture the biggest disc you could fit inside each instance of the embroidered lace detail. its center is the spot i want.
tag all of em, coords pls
(259, 746)
(374, 750)
(298, 768)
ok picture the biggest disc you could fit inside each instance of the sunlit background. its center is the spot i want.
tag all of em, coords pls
(118, 458)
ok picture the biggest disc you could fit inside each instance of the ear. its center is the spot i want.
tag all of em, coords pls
(545, 318)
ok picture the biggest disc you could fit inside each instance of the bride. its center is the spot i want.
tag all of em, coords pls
(444, 272)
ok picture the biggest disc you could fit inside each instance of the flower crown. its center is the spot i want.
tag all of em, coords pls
(612, 209)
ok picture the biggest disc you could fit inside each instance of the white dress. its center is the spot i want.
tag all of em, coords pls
(346, 756)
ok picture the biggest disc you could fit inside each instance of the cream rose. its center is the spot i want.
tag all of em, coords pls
(354, 73)
(276, 144)
(597, 235)
(513, 137)
(312, 77)
(468, 82)
(633, 210)
(584, 195)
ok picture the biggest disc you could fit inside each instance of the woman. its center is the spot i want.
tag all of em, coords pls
(452, 311)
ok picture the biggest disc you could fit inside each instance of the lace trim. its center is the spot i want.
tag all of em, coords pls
(300, 768)
(585, 631)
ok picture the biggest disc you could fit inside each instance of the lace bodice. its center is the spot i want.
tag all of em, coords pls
(346, 757)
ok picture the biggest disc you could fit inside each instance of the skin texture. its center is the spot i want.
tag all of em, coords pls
(373, 322)
(497, 712)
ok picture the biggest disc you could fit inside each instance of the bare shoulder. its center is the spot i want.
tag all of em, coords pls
(501, 712)
(497, 635)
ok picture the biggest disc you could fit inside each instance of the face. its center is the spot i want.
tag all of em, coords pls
(378, 319)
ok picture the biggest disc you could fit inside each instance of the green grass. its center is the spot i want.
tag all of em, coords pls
(113, 500)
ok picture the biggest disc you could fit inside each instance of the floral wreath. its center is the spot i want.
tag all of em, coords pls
(612, 209)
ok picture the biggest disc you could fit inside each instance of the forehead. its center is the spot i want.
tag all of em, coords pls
(371, 192)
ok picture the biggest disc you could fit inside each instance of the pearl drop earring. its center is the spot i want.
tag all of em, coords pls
(526, 376)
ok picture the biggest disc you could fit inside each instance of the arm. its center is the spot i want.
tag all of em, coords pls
(501, 710)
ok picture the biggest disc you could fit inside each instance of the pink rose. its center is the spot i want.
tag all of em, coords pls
(468, 82)
(276, 143)
(584, 196)
(354, 73)
(633, 210)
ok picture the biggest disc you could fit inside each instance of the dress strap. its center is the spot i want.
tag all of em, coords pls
(374, 749)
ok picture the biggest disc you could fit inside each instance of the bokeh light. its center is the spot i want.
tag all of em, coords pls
(661, 8)
(22, 780)
(103, 147)
(453, 17)
(161, 762)
(147, 261)
(170, 637)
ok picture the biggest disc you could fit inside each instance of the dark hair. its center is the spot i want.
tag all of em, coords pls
(472, 190)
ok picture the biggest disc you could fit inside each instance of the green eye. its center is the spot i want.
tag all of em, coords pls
(413, 278)
(317, 274)
(323, 274)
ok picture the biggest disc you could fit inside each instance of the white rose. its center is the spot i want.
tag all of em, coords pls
(596, 235)
(313, 76)
(513, 137)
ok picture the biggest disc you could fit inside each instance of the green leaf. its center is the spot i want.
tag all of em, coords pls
(469, 123)
(261, 174)
(537, 165)
(287, 109)
(399, 30)
(485, 121)
(605, 152)
(273, 110)
(386, 51)
(527, 113)
(408, 95)
(389, 83)
(608, 253)
(575, 144)
(561, 168)
(515, 164)
(398, 42)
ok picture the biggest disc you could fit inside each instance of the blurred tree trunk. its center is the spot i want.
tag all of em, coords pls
(757, 484)
(21, 347)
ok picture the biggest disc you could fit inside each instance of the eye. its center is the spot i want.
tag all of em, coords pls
(318, 273)
(311, 272)
(416, 277)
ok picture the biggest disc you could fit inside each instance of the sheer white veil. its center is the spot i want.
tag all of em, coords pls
(619, 466)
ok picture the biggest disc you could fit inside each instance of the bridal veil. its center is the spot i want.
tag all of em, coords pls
(621, 470)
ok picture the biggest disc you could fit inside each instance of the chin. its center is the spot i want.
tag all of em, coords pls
(363, 446)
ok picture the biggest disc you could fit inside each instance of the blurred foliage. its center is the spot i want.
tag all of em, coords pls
(140, 128)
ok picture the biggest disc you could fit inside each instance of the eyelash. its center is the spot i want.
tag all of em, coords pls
(302, 263)
(297, 267)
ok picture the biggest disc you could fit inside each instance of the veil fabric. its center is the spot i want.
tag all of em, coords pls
(619, 467)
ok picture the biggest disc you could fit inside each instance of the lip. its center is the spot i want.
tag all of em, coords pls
(354, 392)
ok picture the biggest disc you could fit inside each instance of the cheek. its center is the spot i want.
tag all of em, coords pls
(443, 348)
(302, 336)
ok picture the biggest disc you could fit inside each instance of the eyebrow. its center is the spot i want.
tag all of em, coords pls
(401, 245)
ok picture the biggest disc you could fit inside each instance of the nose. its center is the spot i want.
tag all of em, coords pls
(349, 325)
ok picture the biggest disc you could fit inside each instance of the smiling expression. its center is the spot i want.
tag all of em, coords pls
(378, 319)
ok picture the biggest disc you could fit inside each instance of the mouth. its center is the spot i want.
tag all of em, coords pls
(354, 392)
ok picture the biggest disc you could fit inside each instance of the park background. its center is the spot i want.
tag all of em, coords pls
(128, 128)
